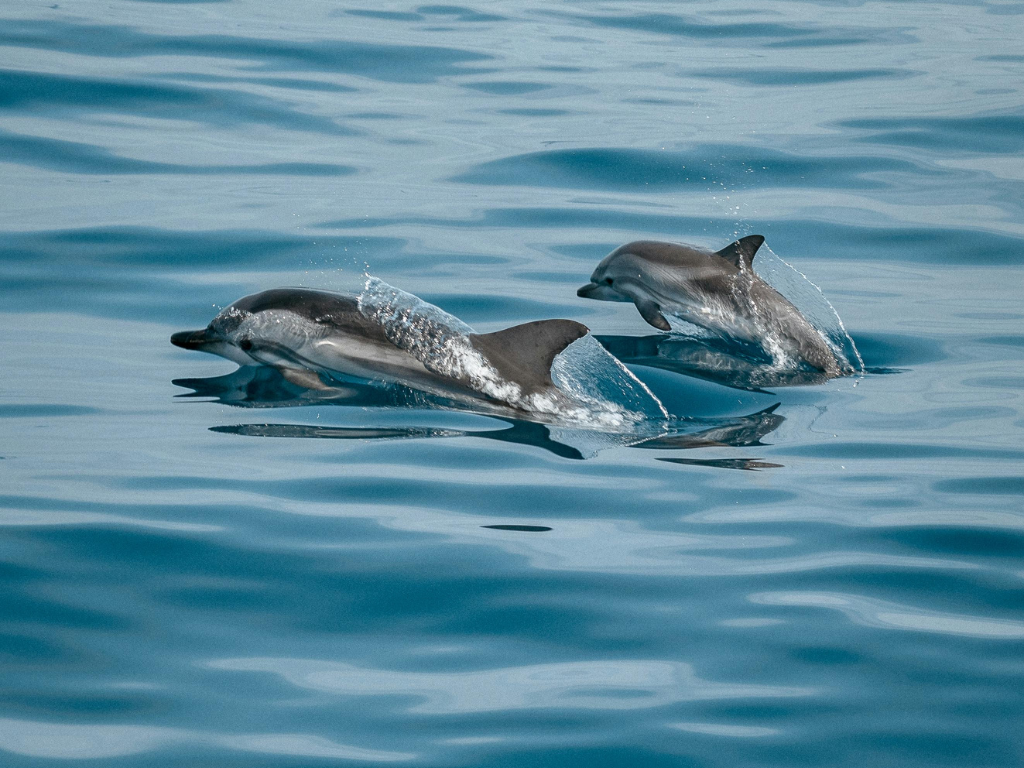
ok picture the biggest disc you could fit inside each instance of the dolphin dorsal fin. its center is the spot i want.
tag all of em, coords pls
(741, 253)
(523, 353)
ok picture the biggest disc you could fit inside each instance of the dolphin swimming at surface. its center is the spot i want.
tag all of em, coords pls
(715, 290)
(303, 332)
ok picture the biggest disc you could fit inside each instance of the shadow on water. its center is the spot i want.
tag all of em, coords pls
(266, 387)
(751, 465)
(723, 361)
(738, 432)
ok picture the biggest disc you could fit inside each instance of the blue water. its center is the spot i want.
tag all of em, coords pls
(232, 570)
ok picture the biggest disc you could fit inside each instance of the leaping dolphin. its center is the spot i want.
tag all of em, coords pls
(304, 332)
(716, 290)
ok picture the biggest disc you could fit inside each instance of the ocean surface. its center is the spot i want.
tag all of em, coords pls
(209, 566)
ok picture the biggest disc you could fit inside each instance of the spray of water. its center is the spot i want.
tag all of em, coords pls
(594, 389)
(811, 301)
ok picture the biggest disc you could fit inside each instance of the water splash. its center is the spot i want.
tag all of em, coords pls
(770, 355)
(811, 301)
(594, 389)
(588, 373)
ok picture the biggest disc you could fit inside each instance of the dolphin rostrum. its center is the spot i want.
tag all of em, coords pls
(716, 290)
(304, 332)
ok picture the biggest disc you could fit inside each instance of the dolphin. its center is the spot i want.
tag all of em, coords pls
(715, 290)
(304, 332)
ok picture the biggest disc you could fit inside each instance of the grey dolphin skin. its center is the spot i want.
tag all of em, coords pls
(302, 332)
(716, 290)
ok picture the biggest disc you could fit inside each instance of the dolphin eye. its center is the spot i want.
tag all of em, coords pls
(245, 345)
(608, 281)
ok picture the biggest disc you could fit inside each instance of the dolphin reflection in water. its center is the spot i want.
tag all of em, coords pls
(261, 387)
(712, 358)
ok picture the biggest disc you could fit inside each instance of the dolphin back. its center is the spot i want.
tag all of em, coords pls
(523, 354)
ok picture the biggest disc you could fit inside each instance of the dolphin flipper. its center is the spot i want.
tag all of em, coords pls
(523, 353)
(741, 253)
(651, 312)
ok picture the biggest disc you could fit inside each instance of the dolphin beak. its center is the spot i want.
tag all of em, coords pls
(190, 339)
(601, 292)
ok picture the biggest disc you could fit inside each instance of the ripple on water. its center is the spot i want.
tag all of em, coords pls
(638, 170)
(379, 61)
(882, 614)
(612, 684)
(62, 741)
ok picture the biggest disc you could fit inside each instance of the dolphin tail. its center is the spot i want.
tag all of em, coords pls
(523, 354)
(741, 253)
